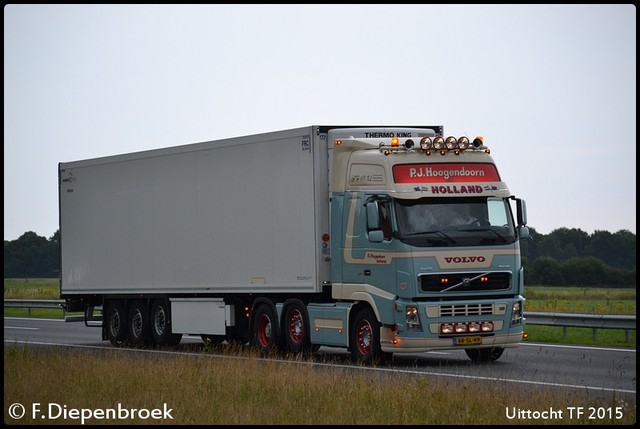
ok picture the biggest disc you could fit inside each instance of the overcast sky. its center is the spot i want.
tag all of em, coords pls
(551, 88)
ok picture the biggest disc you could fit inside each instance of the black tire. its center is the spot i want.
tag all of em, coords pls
(365, 339)
(116, 320)
(487, 354)
(264, 329)
(160, 324)
(138, 323)
(295, 327)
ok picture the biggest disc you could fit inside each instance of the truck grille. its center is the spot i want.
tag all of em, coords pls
(466, 310)
(464, 282)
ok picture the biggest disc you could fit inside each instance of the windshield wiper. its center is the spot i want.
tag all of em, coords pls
(451, 240)
(500, 236)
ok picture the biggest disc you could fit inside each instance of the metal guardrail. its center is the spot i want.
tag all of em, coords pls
(566, 320)
(42, 303)
(33, 303)
(594, 321)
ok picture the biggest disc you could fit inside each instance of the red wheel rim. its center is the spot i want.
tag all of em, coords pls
(296, 326)
(364, 337)
(264, 330)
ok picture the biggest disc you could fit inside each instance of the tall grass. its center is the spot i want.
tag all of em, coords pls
(205, 389)
(32, 288)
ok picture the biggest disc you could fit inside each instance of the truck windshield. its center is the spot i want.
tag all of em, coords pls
(477, 221)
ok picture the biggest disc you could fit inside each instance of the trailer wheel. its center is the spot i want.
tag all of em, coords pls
(295, 327)
(264, 334)
(365, 339)
(487, 354)
(138, 322)
(161, 324)
(116, 323)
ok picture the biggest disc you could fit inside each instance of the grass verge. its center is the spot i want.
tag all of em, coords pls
(205, 389)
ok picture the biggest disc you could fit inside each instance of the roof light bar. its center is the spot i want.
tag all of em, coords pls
(430, 144)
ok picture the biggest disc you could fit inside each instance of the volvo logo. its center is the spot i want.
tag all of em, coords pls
(463, 259)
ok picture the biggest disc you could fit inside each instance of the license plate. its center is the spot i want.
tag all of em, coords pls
(465, 341)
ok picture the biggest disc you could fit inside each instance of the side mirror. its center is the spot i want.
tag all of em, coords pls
(373, 216)
(521, 209)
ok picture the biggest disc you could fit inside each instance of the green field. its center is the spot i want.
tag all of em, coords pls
(539, 299)
(580, 300)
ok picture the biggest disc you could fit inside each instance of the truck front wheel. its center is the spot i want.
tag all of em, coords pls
(365, 339)
(487, 354)
(116, 323)
(264, 332)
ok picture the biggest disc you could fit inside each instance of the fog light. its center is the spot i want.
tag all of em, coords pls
(460, 327)
(486, 326)
(446, 328)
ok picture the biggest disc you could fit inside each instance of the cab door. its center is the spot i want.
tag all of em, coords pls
(352, 252)
(379, 244)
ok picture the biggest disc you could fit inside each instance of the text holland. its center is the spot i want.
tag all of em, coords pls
(452, 189)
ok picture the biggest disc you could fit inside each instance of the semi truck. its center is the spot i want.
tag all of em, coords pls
(377, 240)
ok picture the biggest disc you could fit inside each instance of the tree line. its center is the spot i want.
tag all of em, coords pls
(565, 257)
(572, 257)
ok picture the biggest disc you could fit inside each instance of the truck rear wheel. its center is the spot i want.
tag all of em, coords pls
(138, 322)
(161, 324)
(295, 327)
(264, 332)
(365, 339)
(116, 323)
(487, 354)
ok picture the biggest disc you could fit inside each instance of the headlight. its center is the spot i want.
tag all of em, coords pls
(413, 320)
(516, 313)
